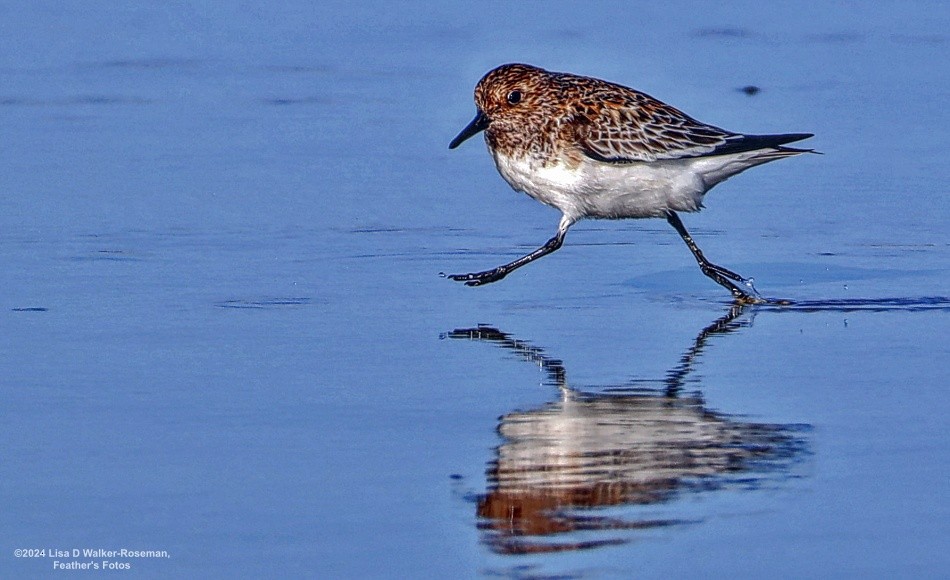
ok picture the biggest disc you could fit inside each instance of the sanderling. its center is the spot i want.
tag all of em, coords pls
(595, 149)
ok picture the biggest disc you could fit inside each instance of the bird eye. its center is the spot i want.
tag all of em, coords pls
(514, 97)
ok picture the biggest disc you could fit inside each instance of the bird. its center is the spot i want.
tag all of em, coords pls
(596, 149)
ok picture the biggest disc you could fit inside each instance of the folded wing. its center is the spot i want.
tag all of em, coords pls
(640, 128)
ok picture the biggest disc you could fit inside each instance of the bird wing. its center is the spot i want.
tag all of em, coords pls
(638, 127)
(629, 126)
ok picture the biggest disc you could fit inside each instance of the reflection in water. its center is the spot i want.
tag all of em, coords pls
(642, 443)
(903, 304)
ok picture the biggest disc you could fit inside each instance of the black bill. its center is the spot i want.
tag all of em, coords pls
(479, 123)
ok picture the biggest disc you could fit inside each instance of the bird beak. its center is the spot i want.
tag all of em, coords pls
(479, 123)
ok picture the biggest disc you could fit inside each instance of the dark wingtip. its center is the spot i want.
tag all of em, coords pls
(797, 136)
(741, 143)
(775, 140)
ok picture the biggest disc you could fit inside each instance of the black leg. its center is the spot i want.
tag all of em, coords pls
(496, 274)
(720, 275)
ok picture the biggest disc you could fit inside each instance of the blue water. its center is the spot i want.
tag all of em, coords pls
(225, 337)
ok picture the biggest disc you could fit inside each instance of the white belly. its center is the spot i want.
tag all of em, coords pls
(633, 190)
(601, 190)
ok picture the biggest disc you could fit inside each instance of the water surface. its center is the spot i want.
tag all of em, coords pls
(225, 335)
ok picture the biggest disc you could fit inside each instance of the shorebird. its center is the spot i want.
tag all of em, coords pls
(595, 149)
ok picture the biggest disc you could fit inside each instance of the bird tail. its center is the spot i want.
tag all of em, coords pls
(718, 168)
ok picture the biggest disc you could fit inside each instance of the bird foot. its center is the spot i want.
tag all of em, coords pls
(478, 278)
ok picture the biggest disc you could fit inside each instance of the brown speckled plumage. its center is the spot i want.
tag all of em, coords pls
(595, 149)
(604, 121)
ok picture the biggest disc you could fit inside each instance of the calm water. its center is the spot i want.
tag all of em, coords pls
(225, 337)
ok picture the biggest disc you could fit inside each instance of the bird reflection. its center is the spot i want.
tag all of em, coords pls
(638, 444)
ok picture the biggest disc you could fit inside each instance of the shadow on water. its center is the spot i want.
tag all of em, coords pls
(642, 443)
(915, 304)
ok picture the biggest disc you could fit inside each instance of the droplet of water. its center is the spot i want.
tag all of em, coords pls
(750, 284)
